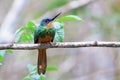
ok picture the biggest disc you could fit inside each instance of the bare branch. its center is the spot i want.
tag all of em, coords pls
(68, 7)
(60, 45)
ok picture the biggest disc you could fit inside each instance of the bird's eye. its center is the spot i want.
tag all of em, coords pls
(46, 21)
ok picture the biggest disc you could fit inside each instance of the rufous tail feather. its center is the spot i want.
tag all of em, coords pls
(42, 61)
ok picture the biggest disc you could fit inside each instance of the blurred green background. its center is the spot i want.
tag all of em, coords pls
(101, 23)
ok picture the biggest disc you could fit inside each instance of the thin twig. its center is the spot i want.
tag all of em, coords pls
(60, 45)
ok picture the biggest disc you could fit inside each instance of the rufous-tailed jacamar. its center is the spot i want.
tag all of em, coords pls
(44, 33)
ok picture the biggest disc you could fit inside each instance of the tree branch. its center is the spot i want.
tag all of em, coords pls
(60, 45)
(68, 7)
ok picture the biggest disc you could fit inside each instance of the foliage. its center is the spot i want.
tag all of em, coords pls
(25, 34)
(69, 17)
(2, 54)
(33, 73)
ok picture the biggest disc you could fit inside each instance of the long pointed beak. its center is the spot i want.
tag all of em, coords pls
(55, 16)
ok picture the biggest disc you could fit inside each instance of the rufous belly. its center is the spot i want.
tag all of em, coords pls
(46, 39)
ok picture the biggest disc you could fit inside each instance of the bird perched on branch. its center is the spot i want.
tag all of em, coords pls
(44, 33)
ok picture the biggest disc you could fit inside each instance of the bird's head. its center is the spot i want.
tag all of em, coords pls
(46, 21)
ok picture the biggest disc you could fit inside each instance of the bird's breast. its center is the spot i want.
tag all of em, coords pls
(46, 39)
(47, 35)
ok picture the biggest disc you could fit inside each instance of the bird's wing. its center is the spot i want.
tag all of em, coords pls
(39, 32)
(36, 36)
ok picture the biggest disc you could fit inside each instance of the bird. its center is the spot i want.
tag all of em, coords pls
(44, 33)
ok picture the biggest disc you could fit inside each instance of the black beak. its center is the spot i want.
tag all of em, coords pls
(55, 16)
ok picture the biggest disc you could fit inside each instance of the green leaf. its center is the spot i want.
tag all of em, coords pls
(51, 69)
(25, 33)
(30, 23)
(59, 36)
(32, 77)
(0, 63)
(25, 37)
(9, 51)
(27, 78)
(22, 35)
(35, 77)
(42, 77)
(31, 68)
(20, 30)
(31, 26)
(2, 53)
(69, 17)
(24, 29)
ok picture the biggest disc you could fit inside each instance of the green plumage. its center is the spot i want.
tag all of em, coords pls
(40, 37)
(44, 33)
(41, 32)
